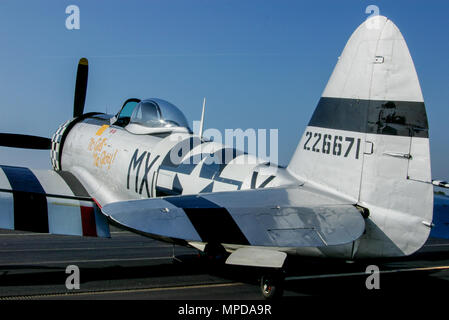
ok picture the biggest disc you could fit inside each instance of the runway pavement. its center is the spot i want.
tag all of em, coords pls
(129, 266)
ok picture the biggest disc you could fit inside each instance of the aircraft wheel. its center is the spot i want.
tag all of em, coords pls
(272, 286)
(215, 252)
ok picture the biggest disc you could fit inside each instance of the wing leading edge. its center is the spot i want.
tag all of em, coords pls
(277, 217)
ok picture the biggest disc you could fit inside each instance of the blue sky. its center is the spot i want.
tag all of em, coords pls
(261, 64)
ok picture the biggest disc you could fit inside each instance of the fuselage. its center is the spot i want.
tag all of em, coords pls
(131, 166)
(115, 164)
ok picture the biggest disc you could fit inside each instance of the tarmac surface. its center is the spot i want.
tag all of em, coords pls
(129, 266)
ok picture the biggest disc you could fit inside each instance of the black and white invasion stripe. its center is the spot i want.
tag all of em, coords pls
(45, 201)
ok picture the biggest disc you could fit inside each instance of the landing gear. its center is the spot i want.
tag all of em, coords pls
(215, 252)
(272, 285)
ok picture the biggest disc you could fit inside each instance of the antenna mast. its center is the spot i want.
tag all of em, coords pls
(202, 119)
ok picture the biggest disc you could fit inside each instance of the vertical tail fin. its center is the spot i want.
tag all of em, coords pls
(368, 140)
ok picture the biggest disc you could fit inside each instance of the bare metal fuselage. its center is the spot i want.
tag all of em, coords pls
(116, 165)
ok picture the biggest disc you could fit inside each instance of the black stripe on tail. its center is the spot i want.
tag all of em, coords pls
(397, 118)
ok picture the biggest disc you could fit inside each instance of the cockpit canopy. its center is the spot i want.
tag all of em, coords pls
(158, 113)
(151, 116)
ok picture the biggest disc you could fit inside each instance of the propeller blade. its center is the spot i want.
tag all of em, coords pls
(80, 87)
(14, 140)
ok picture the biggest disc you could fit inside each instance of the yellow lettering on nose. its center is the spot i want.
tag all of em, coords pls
(101, 130)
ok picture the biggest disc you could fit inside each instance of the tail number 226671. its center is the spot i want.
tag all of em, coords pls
(333, 145)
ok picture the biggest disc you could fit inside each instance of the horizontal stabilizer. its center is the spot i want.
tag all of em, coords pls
(440, 220)
(441, 184)
(264, 217)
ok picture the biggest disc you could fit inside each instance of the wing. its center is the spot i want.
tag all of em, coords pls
(46, 201)
(276, 217)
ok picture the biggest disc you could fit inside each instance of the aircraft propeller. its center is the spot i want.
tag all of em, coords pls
(14, 140)
(80, 87)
